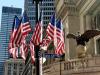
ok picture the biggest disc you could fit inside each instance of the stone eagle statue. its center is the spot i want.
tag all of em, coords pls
(82, 40)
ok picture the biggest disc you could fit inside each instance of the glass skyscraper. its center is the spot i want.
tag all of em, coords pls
(8, 14)
(47, 7)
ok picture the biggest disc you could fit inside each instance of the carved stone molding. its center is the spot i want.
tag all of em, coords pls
(67, 7)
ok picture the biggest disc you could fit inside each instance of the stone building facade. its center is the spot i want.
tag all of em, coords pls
(78, 16)
(13, 66)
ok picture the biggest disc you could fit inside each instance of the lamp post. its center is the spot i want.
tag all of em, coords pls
(38, 63)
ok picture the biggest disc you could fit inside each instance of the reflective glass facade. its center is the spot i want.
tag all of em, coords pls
(48, 10)
(47, 7)
(8, 14)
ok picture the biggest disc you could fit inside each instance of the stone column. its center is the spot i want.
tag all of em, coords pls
(81, 23)
(66, 41)
(88, 22)
(6, 69)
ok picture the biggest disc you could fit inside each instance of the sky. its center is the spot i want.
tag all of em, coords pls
(14, 3)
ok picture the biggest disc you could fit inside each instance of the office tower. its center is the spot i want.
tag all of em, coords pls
(13, 66)
(47, 7)
(8, 14)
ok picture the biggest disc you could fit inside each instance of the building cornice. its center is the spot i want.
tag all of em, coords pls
(65, 8)
(80, 4)
(89, 6)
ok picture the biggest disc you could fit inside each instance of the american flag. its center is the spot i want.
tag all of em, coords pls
(23, 29)
(25, 25)
(37, 35)
(60, 39)
(14, 52)
(45, 43)
(51, 28)
(24, 49)
(18, 36)
(32, 52)
(11, 46)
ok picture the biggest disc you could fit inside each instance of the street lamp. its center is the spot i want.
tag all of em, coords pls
(38, 63)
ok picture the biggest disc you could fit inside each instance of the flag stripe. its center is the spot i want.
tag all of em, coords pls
(51, 28)
(24, 50)
(32, 52)
(17, 36)
(26, 28)
(45, 43)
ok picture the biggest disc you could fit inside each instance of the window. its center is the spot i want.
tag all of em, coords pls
(9, 66)
(98, 45)
(95, 22)
(15, 66)
(9, 72)
(14, 73)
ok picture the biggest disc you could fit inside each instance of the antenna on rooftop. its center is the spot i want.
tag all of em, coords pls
(12, 6)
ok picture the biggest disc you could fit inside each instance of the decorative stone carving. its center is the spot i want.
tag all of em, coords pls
(81, 51)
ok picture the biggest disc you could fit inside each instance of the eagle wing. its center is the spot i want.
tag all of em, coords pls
(89, 34)
(71, 36)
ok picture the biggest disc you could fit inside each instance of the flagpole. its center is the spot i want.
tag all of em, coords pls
(60, 65)
(38, 60)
